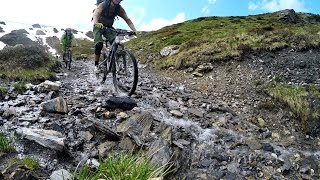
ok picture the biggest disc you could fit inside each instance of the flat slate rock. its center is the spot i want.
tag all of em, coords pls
(124, 103)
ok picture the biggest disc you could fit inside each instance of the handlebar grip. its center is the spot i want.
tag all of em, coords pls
(132, 33)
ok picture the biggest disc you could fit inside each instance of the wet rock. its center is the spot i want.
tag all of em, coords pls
(47, 138)
(48, 86)
(109, 115)
(127, 144)
(61, 174)
(169, 50)
(122, 115)
(176, 113)
(9, 112)
(261, 122)
(161, 152)
(86, 135)
(181, 143)
(196, 112)
(197, 74)
(268, 147)
(109, 133)
(105, 147)
(204, 68)
(21, 172)
(137, 127)
(253, 143)
(124, 103)
(57, 105)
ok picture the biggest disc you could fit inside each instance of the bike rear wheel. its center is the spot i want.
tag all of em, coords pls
(125, 74)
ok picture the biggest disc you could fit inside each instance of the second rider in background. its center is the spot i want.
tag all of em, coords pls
(104, 16)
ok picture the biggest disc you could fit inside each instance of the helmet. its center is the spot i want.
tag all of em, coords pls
(99, 1)
(116, 1)
(68, 30)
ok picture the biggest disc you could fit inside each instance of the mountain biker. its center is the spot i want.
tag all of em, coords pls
(104, 16)
(67, 41)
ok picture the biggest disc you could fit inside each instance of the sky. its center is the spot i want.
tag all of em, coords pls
(147, 15)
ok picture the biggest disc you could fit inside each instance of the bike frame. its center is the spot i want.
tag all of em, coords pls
(110, 58)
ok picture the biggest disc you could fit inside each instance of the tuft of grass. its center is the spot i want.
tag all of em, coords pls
(123, 166)
(3, 91)
(300, 101)
(5, 144)
(20, 86)
(210, 39)
(30, 163)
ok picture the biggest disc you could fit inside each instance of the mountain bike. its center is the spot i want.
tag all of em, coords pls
(121, 63)
(67, 59)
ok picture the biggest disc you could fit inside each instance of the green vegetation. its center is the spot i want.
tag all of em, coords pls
(301, 101)
(212, 39)
(26, 63)
(3, 91)
(28, 162)
(5, 144)
(123, 166)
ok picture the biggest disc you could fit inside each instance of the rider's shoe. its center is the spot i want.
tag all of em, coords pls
(96, 70)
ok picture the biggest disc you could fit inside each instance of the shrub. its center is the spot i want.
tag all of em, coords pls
(23, 57)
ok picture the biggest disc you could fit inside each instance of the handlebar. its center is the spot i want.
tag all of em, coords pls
(119, 32)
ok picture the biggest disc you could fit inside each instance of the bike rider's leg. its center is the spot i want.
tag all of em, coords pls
(64, 53)
(98, 41)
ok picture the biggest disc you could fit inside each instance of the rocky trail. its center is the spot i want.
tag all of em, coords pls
(204, 125)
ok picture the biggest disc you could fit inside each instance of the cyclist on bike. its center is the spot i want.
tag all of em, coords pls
(104, 16)
(67, 41)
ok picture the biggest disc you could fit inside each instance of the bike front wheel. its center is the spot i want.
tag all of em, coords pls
(125, 75)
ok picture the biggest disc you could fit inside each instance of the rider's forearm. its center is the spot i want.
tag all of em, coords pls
(132, 27)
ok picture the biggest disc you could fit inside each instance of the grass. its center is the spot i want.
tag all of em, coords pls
(300, 101)
(28, 162)
(3, 91)
(123, 166)
(5, 144)
(213, 39)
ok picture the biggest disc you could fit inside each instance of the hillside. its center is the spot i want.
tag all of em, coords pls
(217, 98)
(211, 39)
(16, 33)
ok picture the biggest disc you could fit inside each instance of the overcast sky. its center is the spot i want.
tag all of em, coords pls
(146, 14)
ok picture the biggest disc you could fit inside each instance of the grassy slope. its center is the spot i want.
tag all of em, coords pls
(220, 38)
